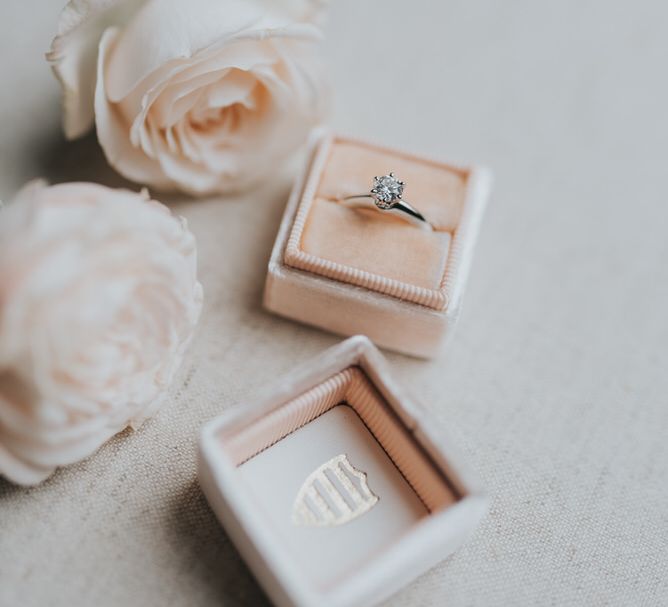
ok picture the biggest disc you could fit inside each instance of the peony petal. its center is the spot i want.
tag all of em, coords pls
(21, 472)
(99, 300)
(73, 55)
(44, 455)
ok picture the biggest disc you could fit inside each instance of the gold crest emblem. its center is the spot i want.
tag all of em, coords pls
(333, 494)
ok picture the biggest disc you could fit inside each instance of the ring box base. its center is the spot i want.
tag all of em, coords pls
(408, 499)
(354, 271)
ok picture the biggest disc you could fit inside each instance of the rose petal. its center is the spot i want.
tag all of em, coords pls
(165, 30)
(73, 55)
(169, 29)
(113, 132)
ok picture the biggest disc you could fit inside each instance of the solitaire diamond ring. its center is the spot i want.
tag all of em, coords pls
(386, 195)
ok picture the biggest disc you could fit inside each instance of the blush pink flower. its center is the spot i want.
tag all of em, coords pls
(203, 96)
(98, 300)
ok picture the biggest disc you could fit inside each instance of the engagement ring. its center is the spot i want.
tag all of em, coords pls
(386, 196)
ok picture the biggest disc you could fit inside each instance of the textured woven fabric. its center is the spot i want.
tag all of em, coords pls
(555, 384)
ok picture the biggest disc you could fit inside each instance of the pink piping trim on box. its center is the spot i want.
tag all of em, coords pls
(352, 387)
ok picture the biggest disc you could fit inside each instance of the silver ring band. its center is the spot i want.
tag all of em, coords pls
(386, 195)
(401, 209)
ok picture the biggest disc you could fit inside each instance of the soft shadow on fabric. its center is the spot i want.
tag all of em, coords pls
(79, 160)
(60, 161)
(197, 531)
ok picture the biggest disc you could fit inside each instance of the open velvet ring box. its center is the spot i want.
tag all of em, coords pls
(338, 489)
(354, 271)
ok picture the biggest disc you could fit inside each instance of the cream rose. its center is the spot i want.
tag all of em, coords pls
(204, 95)
(98, 300)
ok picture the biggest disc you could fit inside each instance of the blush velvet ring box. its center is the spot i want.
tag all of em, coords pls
(354, 271)
(337, 489)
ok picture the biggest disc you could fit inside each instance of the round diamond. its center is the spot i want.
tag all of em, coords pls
(387, 189)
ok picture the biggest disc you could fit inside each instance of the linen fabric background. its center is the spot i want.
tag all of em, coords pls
(555, 384)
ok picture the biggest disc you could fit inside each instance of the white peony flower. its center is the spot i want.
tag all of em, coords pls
(204, 95)
(98, 300)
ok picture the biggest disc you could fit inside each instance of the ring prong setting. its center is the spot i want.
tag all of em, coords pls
(387, 191)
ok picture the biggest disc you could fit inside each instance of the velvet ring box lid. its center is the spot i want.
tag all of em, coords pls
(362, 271)
(337, 489)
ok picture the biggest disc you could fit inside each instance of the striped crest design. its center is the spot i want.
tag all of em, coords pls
(333, 494)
